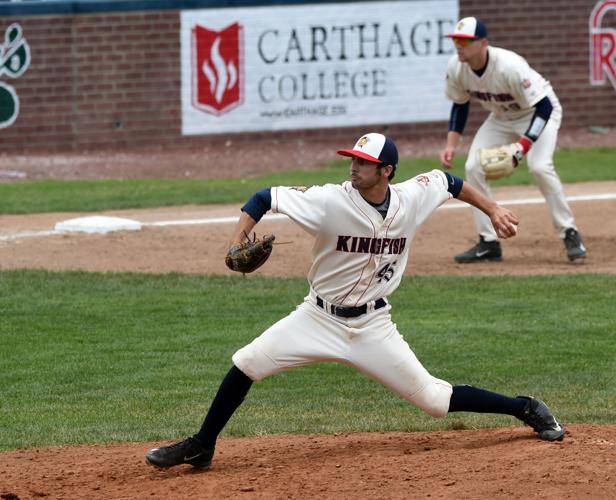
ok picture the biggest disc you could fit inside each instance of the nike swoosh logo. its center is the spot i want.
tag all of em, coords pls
(186, 459)
(481, 254)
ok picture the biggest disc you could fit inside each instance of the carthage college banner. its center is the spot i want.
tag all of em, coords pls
(310, 66)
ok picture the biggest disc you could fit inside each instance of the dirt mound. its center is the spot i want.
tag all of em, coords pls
(477, 464)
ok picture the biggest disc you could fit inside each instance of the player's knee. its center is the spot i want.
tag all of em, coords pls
(250, 360)
(437, 409)
(434, 398)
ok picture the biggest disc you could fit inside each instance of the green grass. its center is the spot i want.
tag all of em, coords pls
(98, 358)
(574, 165)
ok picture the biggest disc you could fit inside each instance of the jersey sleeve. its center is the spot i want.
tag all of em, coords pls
(430, 190)
(305, 206)
(453, 87)
(528, 86)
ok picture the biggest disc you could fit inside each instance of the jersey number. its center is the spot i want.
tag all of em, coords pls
(386, 272)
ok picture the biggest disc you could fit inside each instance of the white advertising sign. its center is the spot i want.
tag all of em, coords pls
(313, 66)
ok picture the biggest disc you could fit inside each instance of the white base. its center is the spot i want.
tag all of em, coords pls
(97, 224)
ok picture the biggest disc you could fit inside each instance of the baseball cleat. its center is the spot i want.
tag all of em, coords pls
(537, 415)
(484, 251)
(189, 451)
(574, 245)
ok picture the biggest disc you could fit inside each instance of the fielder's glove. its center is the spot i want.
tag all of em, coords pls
(251, 255)
(500, 162)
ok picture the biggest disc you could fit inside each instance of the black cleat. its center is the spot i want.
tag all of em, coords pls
(189, 451)
(484, 251)
(537, 415)
(574, 245)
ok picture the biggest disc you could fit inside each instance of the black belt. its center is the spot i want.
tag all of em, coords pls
(349, 312)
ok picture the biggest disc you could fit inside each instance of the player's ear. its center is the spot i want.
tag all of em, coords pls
(386, 170)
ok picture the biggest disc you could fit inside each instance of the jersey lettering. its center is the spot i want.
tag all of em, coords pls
(375, 246)
(487, 96)
(364, 245)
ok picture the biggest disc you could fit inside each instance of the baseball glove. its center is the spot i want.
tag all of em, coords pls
(251, 255)
(500, 162)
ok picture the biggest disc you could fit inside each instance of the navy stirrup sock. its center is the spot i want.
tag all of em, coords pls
(469, 398)
(229, 397)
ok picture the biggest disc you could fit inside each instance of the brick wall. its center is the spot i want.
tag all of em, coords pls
(112, 80)
(97, 81)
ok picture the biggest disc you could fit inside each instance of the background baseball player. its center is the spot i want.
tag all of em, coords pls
(524, 111)
(363, 231)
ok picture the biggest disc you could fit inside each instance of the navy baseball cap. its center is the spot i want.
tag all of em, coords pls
(375, 148)
(470, 28)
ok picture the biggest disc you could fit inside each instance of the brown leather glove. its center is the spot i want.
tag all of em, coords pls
(251, 255)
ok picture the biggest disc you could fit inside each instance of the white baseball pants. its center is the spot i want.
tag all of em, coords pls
(370, 343)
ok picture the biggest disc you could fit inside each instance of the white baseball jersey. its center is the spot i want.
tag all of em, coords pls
(358, 256)
(509, 87)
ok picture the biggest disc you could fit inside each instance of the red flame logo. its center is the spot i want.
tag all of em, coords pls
(217, 62)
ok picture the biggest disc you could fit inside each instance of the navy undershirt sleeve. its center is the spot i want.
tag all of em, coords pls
(454, 184)
(458, 117)
(543, 110)
(258, 204)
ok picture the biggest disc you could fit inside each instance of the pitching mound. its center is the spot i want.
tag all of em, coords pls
(477, 464)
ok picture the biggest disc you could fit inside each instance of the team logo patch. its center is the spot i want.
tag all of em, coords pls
(217, 65)
(459, 26)
(423, 179)
(526, 83)
(301, 189)
(362, 142)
